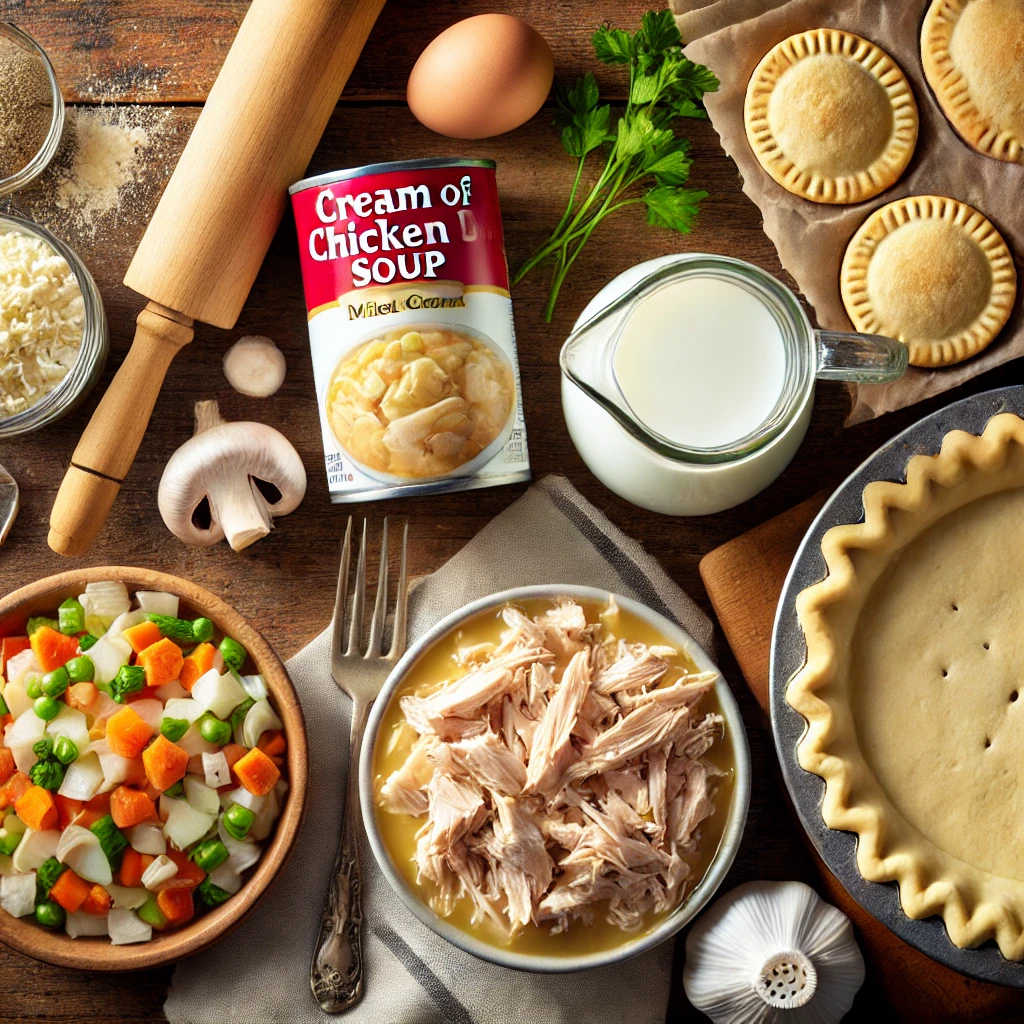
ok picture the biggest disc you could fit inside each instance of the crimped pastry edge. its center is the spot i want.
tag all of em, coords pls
(886, 219)
(972, 903)
(885, 171)
(952, 91)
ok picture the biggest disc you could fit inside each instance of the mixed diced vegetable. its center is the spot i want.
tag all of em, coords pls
(140, 770)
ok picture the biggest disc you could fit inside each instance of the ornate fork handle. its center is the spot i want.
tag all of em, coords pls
(337, 974)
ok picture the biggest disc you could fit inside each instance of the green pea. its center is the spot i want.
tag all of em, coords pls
(54, 683)
(4, 709)
(81, 669)
(71, 617)
(46, 708)
(87, 641)
(8, 844)
(213, 730)
(50, 914)
(210, 855)
(233, 653)
(238, 820)
(177, 791)
(202, 630)
(173, 728)
(65, 749)
(34, 687)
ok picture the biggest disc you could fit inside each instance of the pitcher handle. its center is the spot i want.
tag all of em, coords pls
(866, 358)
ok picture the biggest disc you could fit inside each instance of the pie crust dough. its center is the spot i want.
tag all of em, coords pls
(973, 57)
(830, 116)
(915, 651)
(932, 272)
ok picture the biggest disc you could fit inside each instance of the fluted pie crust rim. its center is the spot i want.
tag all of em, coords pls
(975, 904)
(878, 175)
(953, 91)
(979, 334)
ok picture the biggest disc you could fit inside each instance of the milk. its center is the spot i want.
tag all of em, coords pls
(701, 361)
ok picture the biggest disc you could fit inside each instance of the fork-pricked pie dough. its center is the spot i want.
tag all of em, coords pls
(932, 272)
(913, 689)
(830, 116)
(973, 57)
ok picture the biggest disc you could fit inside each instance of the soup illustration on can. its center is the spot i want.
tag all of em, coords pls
(410, 328)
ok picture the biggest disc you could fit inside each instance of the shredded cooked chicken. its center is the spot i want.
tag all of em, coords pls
(552, 795)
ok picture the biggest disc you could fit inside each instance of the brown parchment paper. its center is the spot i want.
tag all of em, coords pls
(731, 36)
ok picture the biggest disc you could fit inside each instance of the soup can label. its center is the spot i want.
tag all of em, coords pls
(410, 326)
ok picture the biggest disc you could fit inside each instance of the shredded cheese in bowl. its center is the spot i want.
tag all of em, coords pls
(42, 320)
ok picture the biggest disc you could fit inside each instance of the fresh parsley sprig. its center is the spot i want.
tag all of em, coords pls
(645, 162)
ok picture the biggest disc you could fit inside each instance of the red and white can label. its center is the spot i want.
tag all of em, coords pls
(411, 330)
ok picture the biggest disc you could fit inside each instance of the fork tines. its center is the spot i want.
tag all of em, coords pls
(355, 614)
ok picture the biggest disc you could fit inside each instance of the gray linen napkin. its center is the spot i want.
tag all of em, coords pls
(259, 974)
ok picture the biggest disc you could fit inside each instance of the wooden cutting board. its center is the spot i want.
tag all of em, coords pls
(744, 580)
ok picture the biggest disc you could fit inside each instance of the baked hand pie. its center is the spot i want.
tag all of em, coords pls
(973, 57)
(932, 272)
(913, 684)
(830, 116)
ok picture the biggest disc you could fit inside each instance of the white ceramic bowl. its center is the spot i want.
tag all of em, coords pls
(467, 468)
(735, 736)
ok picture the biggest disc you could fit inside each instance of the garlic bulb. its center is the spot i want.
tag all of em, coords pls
(772, 952)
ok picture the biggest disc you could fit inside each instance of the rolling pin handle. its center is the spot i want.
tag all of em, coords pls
(107, 448)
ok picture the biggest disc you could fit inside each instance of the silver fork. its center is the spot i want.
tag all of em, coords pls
(336, 975)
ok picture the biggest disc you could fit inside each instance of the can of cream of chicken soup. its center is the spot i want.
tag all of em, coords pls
(410, 326)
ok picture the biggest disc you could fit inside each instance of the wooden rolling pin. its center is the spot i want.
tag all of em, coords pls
(204, 246)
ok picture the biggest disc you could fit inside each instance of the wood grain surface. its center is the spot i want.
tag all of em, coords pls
(168, 53)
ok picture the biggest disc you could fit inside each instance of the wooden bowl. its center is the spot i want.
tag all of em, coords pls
(97, 954)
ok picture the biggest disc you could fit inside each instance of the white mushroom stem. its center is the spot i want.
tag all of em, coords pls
(221, 464)
(254, 366)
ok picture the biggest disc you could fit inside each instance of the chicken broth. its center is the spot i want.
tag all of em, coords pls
(452, 658)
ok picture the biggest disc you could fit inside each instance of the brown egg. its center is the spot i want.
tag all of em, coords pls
(482, 76)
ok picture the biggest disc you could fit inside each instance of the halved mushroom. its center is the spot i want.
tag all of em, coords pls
(229, 481)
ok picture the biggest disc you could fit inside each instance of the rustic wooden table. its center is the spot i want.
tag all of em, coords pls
(167, 54)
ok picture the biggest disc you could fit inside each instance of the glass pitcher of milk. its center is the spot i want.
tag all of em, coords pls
(688, 381)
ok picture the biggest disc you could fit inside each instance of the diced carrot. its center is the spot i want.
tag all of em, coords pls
(162, 661)
(131, 807)
(7, 768)
(176, 905)
(131, 868)
(142, 635)
(36, 808)
(94, 809)
(197, 664)
(127, 733)
(70, 891)
(53, 649)
(9, 647)
(98, 901)
(13, 788)
(67, 810)
(165, 762)
(189, 873)
(81, 696)
(257, 773)
(272, 743)
(233, 753)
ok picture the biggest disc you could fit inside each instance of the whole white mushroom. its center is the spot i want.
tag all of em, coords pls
(229, 481)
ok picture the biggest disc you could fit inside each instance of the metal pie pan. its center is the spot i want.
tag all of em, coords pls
(789, 652)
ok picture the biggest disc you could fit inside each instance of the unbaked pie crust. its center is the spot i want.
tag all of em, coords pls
(932, 272)
(830, 116)
(973, 57)
(913, 684)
